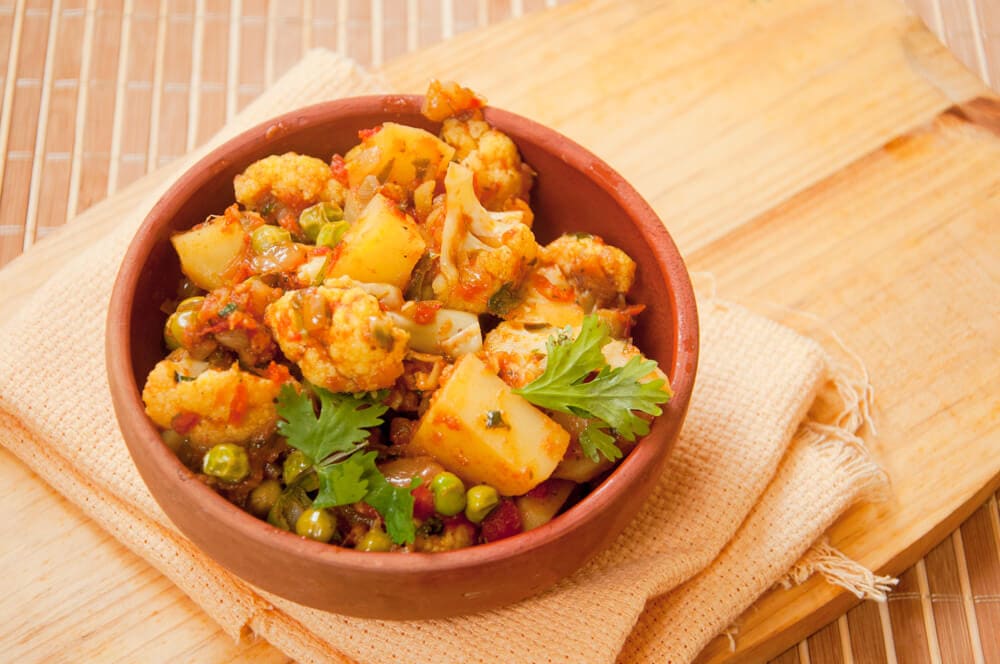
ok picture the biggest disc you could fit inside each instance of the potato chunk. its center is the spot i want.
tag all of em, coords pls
(540, 505)
(484, 433)
(210, 250)
(382, 246)
(407, 156)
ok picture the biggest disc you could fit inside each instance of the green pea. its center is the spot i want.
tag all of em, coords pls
(480, 501)
(191, 303)
(179, 322)
(374, 540)
(316, 524)
(331, 233)
(228, 462)
(172, 439)
(449, 494)
(297, 463)
(312, 218)
(290, 505)
(264, 496)
(267, 236)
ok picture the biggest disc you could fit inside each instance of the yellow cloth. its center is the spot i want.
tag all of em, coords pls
(761, 469)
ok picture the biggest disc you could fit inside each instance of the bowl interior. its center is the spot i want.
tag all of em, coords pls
(574, 192)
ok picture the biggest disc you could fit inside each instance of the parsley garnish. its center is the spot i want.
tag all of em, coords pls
(578, 380)
(226, 310)
(333, 442)
(594, 439)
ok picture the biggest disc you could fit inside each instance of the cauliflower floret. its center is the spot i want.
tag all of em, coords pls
(618, 352)
(601, 274)
(444, 100)
(516, 352)
(502, 180)
(339, 336)
(208, 405)
(483, 253)
(501, 176)
(577, 274)
(281, 186)
(457, 535)
(546, 298)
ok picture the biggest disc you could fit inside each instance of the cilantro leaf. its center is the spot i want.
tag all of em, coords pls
(594, 439)
(610, 396)
(570, 361)
(333, 441)
(342, 424)
(615, 393)
(395, 504)
(341, 483)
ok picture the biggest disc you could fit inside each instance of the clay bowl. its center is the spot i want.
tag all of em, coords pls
(575, 191)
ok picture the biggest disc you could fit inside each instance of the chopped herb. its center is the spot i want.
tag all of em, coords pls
(432, 526)
(181, 378)
(226, 310)
(494, 420)
(386, 171)
(420, 166)
(501, 302)
(582, 236)
(382, 334)
(422, 277)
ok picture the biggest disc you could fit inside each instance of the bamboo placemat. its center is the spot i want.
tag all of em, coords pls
(79, 122)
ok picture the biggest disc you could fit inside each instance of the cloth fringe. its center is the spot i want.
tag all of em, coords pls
(837, 436)
(848, 372)
(838, 423)
(839, 570)
(730, 633)
(851, 383)
(851, 454)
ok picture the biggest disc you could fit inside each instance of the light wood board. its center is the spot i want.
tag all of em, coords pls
(801, 152)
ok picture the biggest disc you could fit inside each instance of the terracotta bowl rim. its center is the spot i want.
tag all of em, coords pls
(677, 286)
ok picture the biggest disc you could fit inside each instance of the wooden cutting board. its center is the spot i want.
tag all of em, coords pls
(829, 157)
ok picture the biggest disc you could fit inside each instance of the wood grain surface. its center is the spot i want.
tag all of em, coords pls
(811, 155)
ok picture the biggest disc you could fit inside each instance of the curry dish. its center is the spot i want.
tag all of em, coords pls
(372, 349)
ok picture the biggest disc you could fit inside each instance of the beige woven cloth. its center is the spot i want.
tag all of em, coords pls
(767, 459)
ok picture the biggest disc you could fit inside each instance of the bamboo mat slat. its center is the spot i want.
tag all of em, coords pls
(96, 93)
(825, 646)
(982, 556)
(867, 634)
(912, 619)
